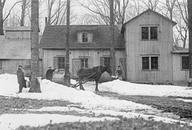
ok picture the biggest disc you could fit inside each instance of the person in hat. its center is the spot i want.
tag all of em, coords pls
(21, 78)
(119, 73)
(49, 73)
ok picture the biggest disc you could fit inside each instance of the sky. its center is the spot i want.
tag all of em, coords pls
(87, 102)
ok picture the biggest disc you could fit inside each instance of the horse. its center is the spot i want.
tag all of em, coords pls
(92, 73)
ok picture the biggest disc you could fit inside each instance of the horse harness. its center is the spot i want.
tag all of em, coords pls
(84, 80)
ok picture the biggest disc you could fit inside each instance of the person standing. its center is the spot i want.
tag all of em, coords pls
(119, 73)
(21, 78)
(49, 74)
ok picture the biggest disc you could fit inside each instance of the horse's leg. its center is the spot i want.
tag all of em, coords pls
(96, 88)
(80, 84)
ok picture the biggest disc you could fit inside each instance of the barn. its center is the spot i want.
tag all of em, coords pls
(15, 49)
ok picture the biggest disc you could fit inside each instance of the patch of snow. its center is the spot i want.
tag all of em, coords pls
(185, 100)
(13, 121)
(127, 88)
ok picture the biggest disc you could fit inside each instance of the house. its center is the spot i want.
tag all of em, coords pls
(89, 46)
(149, 46)
(15, 49)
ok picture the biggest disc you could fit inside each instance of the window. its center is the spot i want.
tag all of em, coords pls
(84, 37)
(61, 62)
(145, 33)
(185, 62)
(145, 63)
(153, 33)
(107, 61)
(150, 63)
(149, 33)
(84, 63)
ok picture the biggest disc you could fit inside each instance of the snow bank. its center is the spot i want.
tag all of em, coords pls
(127, 88)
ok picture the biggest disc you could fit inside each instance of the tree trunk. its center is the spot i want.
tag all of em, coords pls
(67, 74)
(35, 86)
(189, 2)
(1, 20)
(112, 48)
(23, 8)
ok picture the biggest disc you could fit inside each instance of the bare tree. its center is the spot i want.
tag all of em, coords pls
(101, 8)
(2, 17)
(151, 4)
(57, 11)
(181, 18)
(24, 6)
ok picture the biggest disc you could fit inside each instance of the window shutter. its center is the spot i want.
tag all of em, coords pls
(102, 61)
(56, 62)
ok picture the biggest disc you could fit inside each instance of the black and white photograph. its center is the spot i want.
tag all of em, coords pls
(95, 64)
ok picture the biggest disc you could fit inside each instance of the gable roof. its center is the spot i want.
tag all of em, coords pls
(54, 37)
(148, 11)
(151, 11)
(180, 50)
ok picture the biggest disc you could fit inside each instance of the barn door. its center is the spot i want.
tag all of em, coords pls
(122, 62)
(75, 67)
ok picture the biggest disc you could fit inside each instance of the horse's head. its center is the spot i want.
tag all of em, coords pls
(106, 68)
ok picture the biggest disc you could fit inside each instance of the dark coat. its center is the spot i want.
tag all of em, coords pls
(49, 74)
(20, 77)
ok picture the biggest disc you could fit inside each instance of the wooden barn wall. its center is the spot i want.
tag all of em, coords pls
(93, 55)
(178, 73)
(11, 66)
(135, 49)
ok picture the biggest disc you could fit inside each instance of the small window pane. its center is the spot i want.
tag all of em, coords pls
(144, 33)
(154, 63)
(84, 63)
(85, 37)
(153, 33)
(61, 62)
(185, 62)
(145, 63)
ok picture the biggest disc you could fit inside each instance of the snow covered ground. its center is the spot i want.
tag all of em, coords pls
(88, 100)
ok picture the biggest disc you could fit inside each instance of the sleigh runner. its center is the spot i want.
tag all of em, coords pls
(82, 81)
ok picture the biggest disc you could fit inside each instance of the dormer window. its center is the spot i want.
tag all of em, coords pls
(84, 37)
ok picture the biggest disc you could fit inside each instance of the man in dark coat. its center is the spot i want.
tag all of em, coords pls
(49, 74)
(119, 73)
(20, 78)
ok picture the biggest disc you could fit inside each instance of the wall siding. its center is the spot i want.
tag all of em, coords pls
(178, 73)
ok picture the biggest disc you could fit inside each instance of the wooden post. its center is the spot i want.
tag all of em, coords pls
(112, 48)
(67, 74)
(189, 3)
(34, 46)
